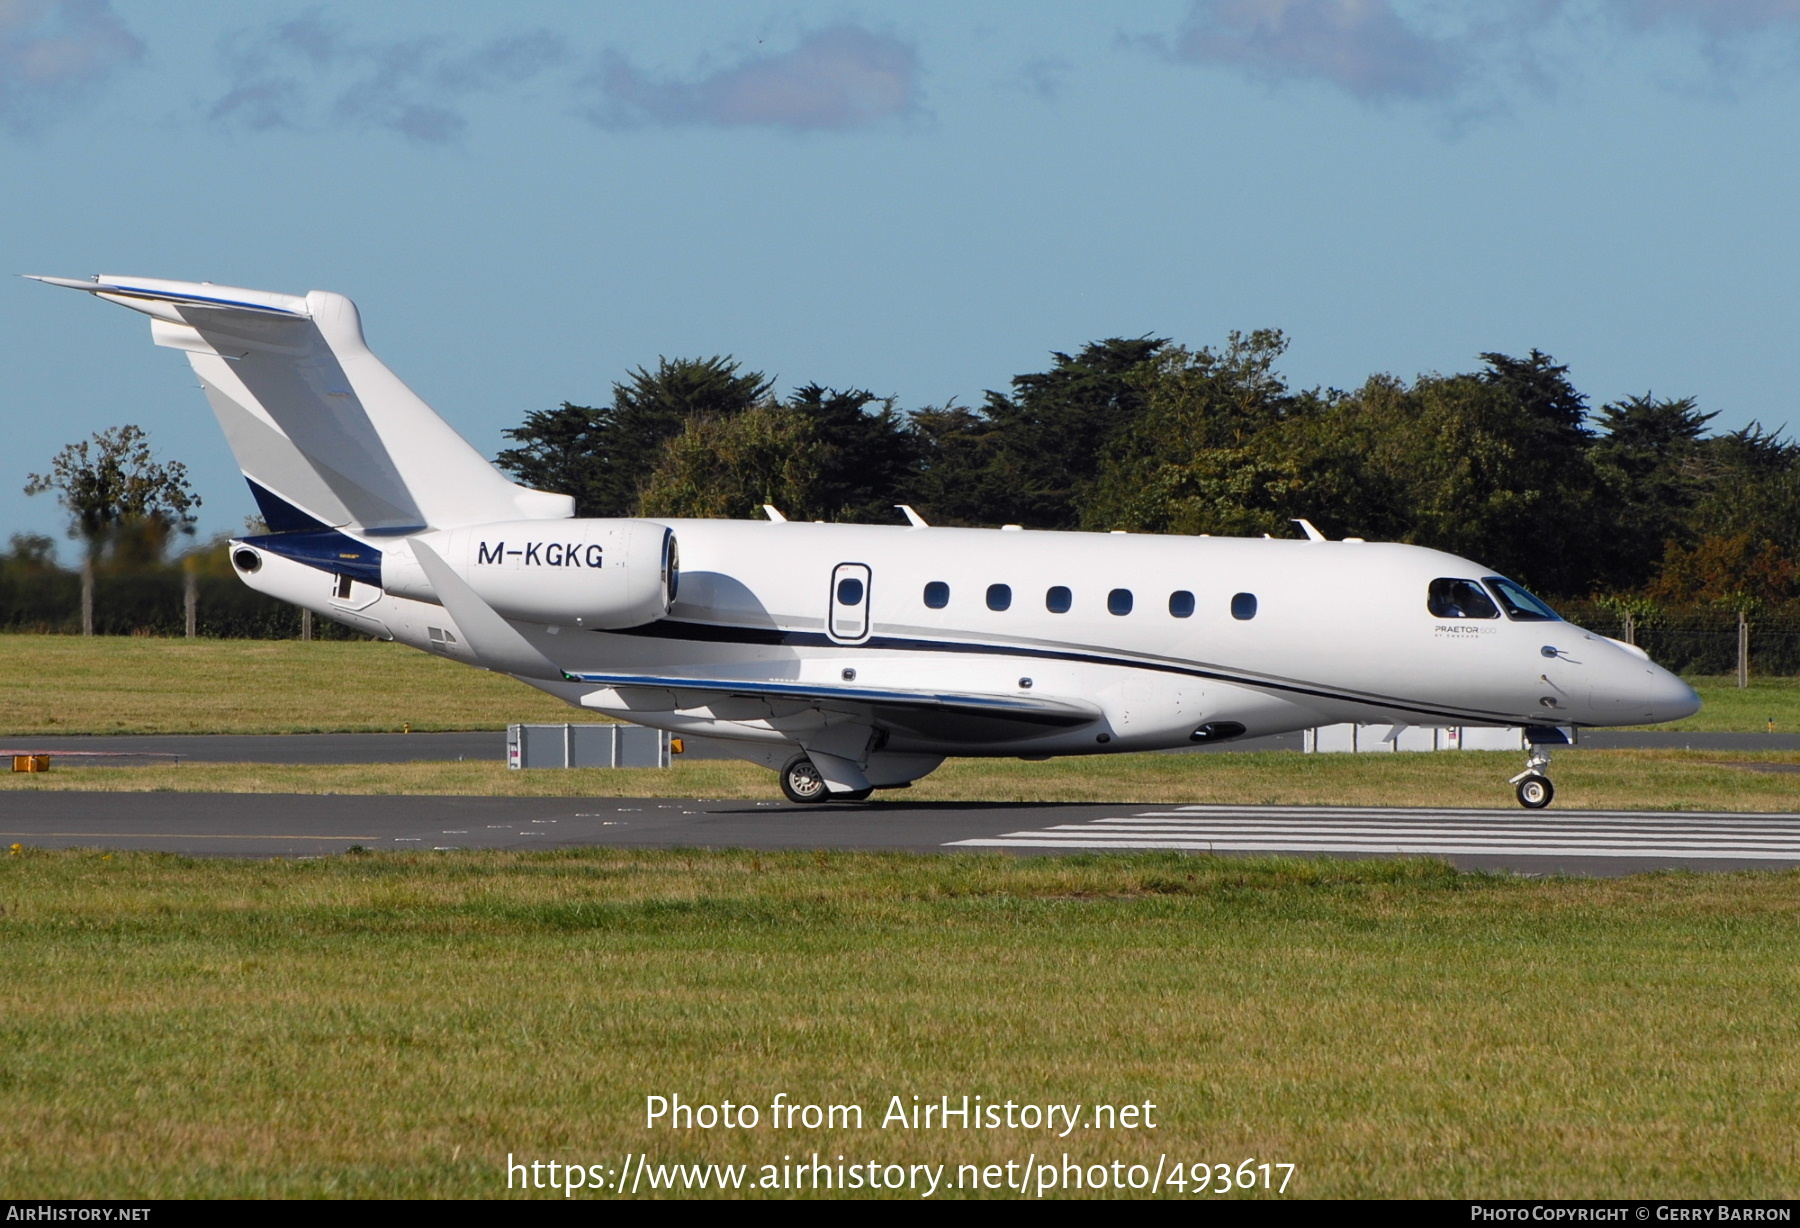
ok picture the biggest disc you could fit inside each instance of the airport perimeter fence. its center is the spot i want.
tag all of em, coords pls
(151, 601)
(1700, 642)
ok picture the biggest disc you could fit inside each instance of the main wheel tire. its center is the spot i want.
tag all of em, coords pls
(1535, 792)
(801, 781)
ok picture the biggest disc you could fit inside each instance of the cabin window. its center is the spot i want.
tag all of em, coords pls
(1118, 601)
(1058, 600)
(1243, 607)
(850, 591)
(1519, 604)
(999, 596)
(1460, 599)
(343, 588)
(937, 595)
(1181, 604)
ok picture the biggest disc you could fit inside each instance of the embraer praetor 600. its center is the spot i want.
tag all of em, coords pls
(852, 657)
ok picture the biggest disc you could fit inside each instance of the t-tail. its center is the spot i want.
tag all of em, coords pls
(370, 497)
(328, 437)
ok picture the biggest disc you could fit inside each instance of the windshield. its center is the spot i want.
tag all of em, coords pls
(1519, 604)
(1449, 598)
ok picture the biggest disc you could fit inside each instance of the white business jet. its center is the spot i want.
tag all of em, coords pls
(850, 658)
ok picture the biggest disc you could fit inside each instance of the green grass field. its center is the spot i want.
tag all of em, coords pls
(1602, 779)
(396, 1025)
(1752, 709)
(67, 684)
(131, 684)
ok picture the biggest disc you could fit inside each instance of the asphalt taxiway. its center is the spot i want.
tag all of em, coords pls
(290, 825)
(322, 748)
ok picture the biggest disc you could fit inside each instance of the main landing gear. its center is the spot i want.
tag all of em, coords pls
(1534, 788)
(801, 781)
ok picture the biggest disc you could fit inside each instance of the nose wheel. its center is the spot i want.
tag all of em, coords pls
(1533, 788)
(1535, 791)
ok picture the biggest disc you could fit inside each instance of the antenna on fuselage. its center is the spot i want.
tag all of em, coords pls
(1312, 534)
(774, 515)
(913, 518)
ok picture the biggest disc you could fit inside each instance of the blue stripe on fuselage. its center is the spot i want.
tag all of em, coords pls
(720, 634)
(280, 515)
(327, 549)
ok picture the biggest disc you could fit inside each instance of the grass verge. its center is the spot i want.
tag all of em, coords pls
(120, 685)
(397, 1025)
(1752, 709)
(130, 684)
(1597, 779)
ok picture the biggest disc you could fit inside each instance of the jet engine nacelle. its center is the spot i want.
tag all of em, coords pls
(583, 573)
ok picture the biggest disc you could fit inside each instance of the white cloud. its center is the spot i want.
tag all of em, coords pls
(307, 72)
(1736, 40)
(1046, 77)
(1719, 18)
(54, 53)
(1430, 51)
(1363, 47)
(836, 78)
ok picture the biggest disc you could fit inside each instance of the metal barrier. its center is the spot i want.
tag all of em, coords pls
(1380, 739)
(591, 746)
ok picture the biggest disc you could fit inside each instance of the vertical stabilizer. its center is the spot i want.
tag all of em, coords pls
(316, 421)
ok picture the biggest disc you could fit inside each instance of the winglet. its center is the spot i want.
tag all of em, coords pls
(913, 518)
(1312, 534)
(497, 643)
(70, 282)
(774, 515)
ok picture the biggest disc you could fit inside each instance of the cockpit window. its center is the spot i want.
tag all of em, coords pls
(1460, 599)
(1520, 605)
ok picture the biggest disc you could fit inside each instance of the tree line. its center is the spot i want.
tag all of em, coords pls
(1633, 513)
(1636, 502)
(133, 592)
(127, 509)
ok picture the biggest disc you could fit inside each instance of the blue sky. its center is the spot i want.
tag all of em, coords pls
(529, 199)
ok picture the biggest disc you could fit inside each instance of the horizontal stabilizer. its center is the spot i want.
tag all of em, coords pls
(314, 418)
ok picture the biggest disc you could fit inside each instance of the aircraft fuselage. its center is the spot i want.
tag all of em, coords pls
(1160, 635)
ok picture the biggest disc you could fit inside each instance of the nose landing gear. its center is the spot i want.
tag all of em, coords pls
(1534, 788)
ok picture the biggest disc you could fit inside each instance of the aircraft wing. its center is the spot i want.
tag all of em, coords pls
(1020, 709)
(982, 717)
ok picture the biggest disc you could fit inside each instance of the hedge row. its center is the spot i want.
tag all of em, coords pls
(149, 601)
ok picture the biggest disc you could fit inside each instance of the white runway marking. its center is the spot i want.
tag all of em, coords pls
(1328, 829)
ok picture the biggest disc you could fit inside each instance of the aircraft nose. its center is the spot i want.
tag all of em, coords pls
(1669, 698)
(1631, 689)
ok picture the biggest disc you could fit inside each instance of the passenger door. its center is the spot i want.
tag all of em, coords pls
(847, 621)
